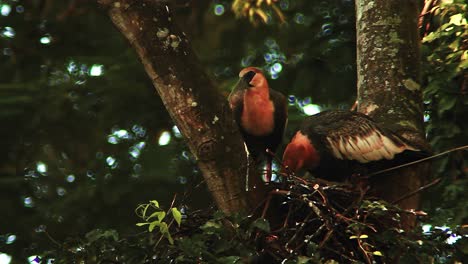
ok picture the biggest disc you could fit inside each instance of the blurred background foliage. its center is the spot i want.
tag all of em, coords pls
(85, 138)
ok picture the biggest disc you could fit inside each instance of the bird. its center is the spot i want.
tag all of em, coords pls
(333, 144)
(261, 114)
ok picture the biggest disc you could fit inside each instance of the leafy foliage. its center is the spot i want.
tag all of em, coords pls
(445, 67)
(153, 216)
(320, 223)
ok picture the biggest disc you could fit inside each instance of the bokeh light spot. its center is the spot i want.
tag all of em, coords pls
(307, 101)
(268, 57)
(277, 67)
(96, 70)
(299, 18)
(110, 161)
(8, 32)
(176, 132)
(426, 228)
(5, 10)
(452, 239)
(122, 133)
(5, 259)
(427, 118)
(71, 178)
(45, 40)
(41, 167)
(139, 130)
(284, 4)
(61, 191)
(134, 152)
(10, 239)
(182, 180)
(113, 140)
(219, 9)
(20, 9)
(28, 202)
(164, 138)
(311, 109)
(271, 43)
(327, 29)
(34, 259)
(90, 174)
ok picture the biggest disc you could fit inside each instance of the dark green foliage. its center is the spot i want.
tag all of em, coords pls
(445, 66)
(320, 223)
(87, 129)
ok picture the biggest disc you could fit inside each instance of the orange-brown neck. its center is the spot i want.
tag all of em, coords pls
(258, 112)
(300, 154)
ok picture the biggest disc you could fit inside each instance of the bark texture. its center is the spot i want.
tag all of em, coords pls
(389, 90)
(199, 110)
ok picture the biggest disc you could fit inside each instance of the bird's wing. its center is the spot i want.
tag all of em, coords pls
(281, 111)
(359, 138)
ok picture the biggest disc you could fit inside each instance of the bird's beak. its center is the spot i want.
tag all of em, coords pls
(244, 81)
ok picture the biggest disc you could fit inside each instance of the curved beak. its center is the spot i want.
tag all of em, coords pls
(244, 81)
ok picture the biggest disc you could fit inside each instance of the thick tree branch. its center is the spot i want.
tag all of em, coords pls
(389, 89)
(196, 106)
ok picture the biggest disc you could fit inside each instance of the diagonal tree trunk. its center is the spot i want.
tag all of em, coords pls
(388, 65)
(196, 106)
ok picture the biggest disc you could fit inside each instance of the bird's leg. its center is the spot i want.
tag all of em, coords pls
(247, 174)
(268, 166)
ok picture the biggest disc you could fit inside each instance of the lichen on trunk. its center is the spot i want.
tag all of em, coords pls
(389, 90)
(198, 109)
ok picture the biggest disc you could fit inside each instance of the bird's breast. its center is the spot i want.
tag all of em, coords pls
(258, 115)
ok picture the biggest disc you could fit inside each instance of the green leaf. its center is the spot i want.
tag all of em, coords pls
(163, 228)
(154, 224)
(169, 237)
(211, 224)
(261, 224)
(446, 103)
(303, 260)
(154, 203)
(160, 215)
(142, 224)
(377, 253)
(229, 260)
(142, 208)
(177, 215)
(98, 234)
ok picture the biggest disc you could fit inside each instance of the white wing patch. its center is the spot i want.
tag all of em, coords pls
(365, 148)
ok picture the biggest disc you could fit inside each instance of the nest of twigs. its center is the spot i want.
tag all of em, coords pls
(314, 221)
(333, 221)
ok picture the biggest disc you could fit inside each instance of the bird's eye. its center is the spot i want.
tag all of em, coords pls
(248, 76)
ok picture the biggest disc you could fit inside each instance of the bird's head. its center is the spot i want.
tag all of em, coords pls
(252, 78)
(300, 154)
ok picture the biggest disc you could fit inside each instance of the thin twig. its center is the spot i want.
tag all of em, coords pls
(418, 161)
(434, 182)
(52, 239)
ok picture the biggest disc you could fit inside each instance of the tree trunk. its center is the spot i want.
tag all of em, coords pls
(388, 68)
(198, 109)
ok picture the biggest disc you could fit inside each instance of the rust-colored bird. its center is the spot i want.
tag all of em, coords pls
(261, 114)
(332, 144)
